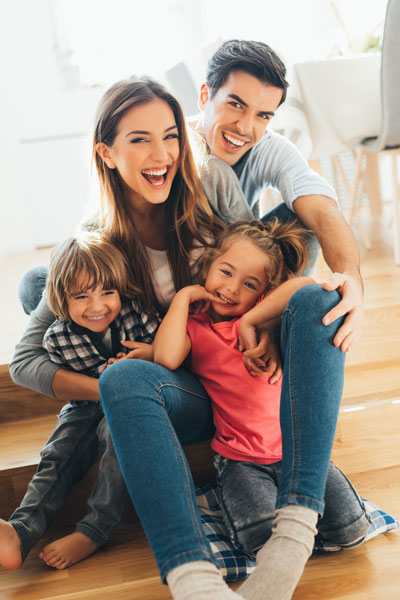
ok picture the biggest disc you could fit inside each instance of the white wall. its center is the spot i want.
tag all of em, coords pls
(36, 113)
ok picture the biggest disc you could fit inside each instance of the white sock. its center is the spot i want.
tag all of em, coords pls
(198, 580)
(281, 561)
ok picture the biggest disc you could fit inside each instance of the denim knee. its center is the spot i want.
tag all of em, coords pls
(112, 381)
(31, 288)
(314, 300)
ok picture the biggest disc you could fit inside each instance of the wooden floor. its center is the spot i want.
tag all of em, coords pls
(367, 448)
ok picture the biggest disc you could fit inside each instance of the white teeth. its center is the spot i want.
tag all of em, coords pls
(95, 318)
(155, 172)
(226, 299)
(233, 141)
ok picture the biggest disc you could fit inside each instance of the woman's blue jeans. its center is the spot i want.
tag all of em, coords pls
(151, 411)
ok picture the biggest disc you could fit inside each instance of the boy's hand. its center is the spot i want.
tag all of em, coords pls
(260, 356)
(138, 350)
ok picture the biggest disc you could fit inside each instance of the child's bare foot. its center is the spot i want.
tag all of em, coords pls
(10, 546)
(68, 550)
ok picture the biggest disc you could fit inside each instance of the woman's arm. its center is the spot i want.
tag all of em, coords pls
(31, 366)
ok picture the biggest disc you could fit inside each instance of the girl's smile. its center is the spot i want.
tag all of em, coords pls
(239, 278)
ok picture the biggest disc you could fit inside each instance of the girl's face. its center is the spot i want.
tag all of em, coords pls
(145, 152)
(239, 277)
(94, 309)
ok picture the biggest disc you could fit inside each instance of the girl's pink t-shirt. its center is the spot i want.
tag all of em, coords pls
(246, 408)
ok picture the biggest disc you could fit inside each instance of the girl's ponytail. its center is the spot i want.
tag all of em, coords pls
(292, 239)
(285, 245)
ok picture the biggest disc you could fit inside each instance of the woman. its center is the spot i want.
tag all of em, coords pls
(154, 208)
(155, 211)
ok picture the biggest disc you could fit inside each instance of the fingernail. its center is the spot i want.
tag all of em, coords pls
(327, 321)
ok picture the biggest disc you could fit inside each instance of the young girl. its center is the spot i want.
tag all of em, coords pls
(248, 281)
(89, 293)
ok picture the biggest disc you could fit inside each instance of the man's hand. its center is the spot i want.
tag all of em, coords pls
(350, 288)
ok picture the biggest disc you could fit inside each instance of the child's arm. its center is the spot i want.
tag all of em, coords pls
(137, 350)
(271, 307)
(172, 344)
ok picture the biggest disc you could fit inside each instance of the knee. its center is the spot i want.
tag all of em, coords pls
(311, 303)
(350, 535)
(114, 379)
(313, 298)
(126, 379)
(31, 287)
(250, 539)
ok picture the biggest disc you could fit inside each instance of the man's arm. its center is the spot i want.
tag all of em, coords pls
(31, 366)
(342, 256)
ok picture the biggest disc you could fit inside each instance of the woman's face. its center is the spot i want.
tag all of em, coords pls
(146, 151)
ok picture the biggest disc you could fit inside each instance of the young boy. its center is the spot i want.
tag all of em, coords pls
(88, 291)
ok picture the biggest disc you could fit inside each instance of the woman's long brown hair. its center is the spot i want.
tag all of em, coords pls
(188, 217)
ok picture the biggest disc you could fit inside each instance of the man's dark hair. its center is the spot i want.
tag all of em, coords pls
(255, 58)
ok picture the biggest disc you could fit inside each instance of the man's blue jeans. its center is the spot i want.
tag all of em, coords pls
(151, 411)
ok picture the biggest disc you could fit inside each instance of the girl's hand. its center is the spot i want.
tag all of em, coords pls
(198, 298)
(260, 355)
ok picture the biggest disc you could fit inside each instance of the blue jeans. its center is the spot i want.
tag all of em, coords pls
(151, 411)
(31, 288)
(81, 432)
(284, 215)
(248, 497)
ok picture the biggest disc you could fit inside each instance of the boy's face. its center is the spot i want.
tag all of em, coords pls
(94, 309)
(236, 117)
(239, 277)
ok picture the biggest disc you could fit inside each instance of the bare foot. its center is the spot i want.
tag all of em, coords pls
(10, 546)
(68, 550)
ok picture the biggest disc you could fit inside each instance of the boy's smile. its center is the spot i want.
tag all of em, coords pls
(94, 309)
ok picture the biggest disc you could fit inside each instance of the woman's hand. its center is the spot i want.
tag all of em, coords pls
(260, 350)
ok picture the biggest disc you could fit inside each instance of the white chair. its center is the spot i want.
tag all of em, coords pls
(181, 84)
(388, 140)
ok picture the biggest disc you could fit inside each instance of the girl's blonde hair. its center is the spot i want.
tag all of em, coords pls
(188, 218)
(84, 262)
(283, 243)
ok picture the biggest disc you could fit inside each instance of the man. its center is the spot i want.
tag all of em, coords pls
(245, 84)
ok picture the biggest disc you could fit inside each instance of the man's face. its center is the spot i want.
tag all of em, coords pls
(236, 117)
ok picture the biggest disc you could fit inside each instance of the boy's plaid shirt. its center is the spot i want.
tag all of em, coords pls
(79, 349)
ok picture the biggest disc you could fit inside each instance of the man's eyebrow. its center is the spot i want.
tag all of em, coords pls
(239, 99)
(142, 132)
